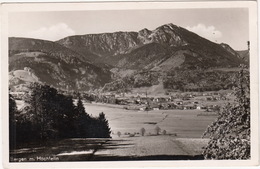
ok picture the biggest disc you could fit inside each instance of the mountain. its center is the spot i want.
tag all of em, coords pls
(34, 60)
(163, 58)
(136, 57)
(150, 49)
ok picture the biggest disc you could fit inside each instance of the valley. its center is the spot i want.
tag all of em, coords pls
(159, 90)
(182, 139)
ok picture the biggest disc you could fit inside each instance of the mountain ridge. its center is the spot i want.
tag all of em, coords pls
(92, 60)
(124, 43)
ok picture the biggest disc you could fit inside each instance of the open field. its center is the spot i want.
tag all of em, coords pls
(184, 123)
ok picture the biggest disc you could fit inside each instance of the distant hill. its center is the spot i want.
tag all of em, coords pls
(47, 62)
(244, 55)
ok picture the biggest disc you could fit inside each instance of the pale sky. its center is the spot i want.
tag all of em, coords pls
(229, 26)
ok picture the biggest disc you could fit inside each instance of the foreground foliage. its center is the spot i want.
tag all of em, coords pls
(51, 115)
(230, 133)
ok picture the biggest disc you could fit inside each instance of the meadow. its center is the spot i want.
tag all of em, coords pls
(183, 123)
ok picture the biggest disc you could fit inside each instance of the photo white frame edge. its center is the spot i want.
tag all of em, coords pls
(254, 81)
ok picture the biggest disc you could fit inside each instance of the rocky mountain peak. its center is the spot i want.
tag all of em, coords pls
(169, 34)
(145, 32)
(169, 26)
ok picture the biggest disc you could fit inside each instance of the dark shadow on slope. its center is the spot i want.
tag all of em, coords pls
(68, 146)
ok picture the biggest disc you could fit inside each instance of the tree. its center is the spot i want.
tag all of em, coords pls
(51, 115)
(103, 125)
(230, 133)
(157, 130)
(81, 120)
(164, 132)
(12, 120)
(43, 107)
(142, 131)
(80, 106)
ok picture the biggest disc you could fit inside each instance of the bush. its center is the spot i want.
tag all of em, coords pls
(230, 133)
(118, 133)
(131, 135)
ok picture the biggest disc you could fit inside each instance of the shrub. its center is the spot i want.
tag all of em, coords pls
(230, 133)
(131, 135)
(118, 133)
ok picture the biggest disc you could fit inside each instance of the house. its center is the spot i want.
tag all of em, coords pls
(165, 106)
(172, 105)
(143, 100)
(189, 107)
(200, 107)
(143, 108)
(179, 102)
(180, 107)
(171, 98)
(160, 99)
(208, 98)
(17, 95)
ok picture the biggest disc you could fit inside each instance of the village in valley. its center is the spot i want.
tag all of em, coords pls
(207, 101)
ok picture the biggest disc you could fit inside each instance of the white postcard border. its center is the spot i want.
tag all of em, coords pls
(254, 83)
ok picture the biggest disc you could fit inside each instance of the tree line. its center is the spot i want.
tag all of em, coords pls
(50, 115)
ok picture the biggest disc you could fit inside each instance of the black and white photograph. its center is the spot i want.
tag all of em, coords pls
(164, 82)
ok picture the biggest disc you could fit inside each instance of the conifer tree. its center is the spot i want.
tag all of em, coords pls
(82, 120)
(80, 107)
(103, 126)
